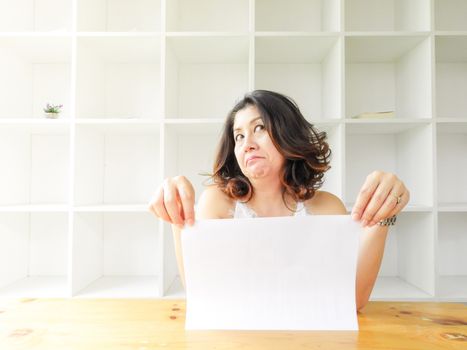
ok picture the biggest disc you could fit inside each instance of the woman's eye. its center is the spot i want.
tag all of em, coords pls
(260, 126)
(237, 137)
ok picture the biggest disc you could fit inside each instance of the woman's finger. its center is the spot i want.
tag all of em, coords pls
(156, 205)
(187, 198)
(170, 202)
(365, 194)
(389, 205)
(375, 203)
(405, 198)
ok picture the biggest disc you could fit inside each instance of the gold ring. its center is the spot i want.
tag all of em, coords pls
(398, 198)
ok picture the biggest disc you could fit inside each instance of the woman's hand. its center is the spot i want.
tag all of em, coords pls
(174, 201)
(381, 196)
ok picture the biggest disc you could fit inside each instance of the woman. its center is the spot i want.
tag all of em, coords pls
(270, 162)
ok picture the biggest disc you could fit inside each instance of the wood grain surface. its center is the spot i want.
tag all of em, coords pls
(145, 324)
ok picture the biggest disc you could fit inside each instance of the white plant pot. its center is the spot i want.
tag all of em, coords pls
(52, 115)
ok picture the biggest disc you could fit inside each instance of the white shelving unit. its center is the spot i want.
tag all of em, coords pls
(146, 86)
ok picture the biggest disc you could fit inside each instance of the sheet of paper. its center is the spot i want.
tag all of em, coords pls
(279, 273)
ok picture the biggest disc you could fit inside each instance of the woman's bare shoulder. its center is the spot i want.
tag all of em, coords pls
(214, 204)
(325, 203)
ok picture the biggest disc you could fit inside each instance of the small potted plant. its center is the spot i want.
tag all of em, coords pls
(52, 111)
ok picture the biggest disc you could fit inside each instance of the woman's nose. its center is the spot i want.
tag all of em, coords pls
(250, 143)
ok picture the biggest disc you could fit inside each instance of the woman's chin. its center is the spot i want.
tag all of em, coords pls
(257, 173)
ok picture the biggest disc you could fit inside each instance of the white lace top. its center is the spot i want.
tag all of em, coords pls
(243, 211)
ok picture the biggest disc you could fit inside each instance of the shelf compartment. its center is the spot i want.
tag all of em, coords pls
(297, 15)
(307, 68)
(119, 78)
(407, 273)
(36, 16)
(450, 15)
(35, 71)
(452, 164)
(388, 73)
(191, 151)
(38, 165)
(33, 255)
(387, 15)
(403, 149)
(205, 75)
(452, 260)
(451, 76)
(119, 15)
(116, 164)
(115, 255)
(207, 15)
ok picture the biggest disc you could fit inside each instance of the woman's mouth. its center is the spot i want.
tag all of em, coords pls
(252, 159)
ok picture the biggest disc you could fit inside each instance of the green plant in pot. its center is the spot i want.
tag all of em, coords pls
(52, 111)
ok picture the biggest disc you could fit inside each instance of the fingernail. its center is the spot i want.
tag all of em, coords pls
(355, 216)
(364, 223)
(190, 222)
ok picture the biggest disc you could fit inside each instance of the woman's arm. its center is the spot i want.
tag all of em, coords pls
(174, 202)
(370, 255)
(176, 231)
(382, 195)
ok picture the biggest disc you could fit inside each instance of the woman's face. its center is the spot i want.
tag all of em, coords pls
(255, 152)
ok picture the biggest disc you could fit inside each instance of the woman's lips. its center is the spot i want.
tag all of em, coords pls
(252, 158)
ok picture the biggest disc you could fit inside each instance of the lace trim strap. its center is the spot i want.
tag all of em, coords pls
(242, 210)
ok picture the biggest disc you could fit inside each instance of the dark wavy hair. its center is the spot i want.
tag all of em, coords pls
(306, 153)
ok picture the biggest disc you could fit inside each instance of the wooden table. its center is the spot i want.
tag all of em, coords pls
(159, 324)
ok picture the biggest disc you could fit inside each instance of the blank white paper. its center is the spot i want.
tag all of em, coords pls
(277, 273)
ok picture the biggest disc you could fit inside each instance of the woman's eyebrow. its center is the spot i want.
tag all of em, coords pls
(251, 122)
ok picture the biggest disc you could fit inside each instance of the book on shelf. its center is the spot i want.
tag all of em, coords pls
(374, 115)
